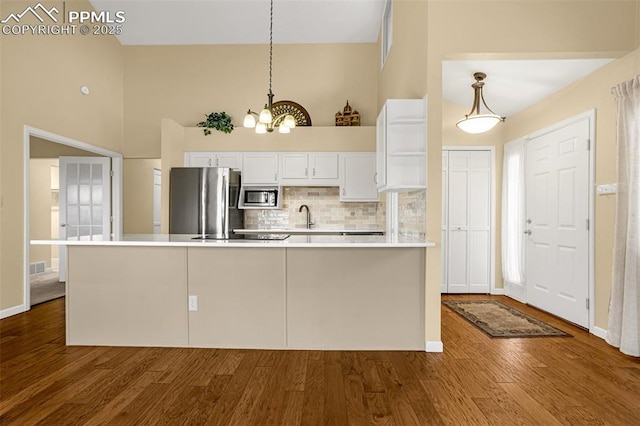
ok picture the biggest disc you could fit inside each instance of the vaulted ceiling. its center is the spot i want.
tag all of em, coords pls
(511, 85)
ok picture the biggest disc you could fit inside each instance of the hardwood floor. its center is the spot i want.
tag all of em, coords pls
(477, 380)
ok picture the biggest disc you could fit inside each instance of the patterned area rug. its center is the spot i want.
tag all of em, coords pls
(499, 320)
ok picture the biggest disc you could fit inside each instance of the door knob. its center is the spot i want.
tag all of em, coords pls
(528, 220)
(528, 232)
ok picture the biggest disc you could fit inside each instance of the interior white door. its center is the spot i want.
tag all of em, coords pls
(557, 254)
(468, 232)
(85, 201)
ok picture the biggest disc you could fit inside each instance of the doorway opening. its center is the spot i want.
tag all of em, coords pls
(553, 226)
(42, 151)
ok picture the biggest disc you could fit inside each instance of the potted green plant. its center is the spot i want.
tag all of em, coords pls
(220, 121)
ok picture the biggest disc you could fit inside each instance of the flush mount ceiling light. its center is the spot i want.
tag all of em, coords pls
(474, 122)
(267, 122)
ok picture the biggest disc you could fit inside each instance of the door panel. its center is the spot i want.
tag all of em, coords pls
(85, 201)
(557, 255)
(467, 221)
(458, 262)
(479, 261)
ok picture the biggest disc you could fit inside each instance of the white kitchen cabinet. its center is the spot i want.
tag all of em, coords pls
(309, 169)
(401, 148)
(260, 168)
(358, 177)
(213, 159)
(294, 166)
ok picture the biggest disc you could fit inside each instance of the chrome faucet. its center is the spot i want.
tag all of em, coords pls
(309, 223)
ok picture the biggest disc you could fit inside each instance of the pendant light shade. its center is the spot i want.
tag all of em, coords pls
(266, 119)
(249, 120)
(284, 129)
(266, 116)
(289, 121)
(478, 123)
(261, 128)
(474, 122)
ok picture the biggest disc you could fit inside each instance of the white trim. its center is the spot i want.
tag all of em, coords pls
(498, 291)
(386, 32)
(26, 278)
(592, 216)
(434, 346)
(116, 194)
(493, 201)
(599, 332)
(12, 311)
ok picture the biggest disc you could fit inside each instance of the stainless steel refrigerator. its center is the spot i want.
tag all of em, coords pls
(204, 201)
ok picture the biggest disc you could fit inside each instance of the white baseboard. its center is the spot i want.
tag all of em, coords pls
(599, 332)
(434, 347)
(12, 311)
(498, 291)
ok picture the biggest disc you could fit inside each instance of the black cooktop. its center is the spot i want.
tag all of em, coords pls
(242, 237)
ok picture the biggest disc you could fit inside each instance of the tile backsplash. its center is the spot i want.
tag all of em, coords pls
(328, 212)
(412, 213)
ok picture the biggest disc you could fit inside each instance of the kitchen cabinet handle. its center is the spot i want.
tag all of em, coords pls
(528, 232)
(375, 177)
(276, 177)
(343, 190)
(306, 172)
(217, 162)
(314, 171)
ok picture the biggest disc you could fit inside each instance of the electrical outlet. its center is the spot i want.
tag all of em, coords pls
(193, 303)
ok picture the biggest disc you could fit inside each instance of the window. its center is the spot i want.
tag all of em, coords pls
(513, 212)
(387, 30)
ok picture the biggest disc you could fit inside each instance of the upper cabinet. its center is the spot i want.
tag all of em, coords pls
(401, 145)
(309, 169)
(213, 159)
(260, 168)
(358, 177)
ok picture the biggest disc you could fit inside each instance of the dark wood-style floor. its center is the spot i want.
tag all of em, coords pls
(477, 380)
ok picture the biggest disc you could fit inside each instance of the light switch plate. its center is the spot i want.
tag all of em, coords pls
(193, 303)
(607, 188)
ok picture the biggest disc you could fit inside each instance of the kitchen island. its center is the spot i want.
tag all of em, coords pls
(306, 292)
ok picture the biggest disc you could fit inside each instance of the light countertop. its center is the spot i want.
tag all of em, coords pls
(309, 231)
(183, 240)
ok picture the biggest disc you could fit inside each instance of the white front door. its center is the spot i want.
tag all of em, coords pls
(557, 213)
(85, 201)
(468, 222)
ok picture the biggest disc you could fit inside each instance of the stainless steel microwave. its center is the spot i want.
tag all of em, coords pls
(260, 197)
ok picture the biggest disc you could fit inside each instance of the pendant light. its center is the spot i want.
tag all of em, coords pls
(266, 120)
(474, 122)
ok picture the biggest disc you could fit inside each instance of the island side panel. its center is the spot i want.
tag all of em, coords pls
(355, 298)
(241, 297)
(127, 296)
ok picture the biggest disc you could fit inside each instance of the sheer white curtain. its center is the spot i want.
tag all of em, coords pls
(513, 206)
(624, 316)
